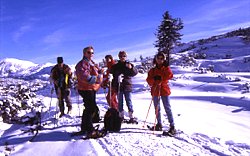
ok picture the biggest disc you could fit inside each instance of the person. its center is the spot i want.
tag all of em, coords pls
(157, 79)
(122, 73)
(107, 78)
(89, 77)
(61, 77)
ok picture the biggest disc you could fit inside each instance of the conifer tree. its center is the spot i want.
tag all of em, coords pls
(168, 34)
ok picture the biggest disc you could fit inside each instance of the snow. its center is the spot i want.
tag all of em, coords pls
(212, 109)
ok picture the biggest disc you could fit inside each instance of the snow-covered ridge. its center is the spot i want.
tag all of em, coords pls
(12, 67)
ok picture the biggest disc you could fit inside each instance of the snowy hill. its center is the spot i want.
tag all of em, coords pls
(223, 54)
(210, 101)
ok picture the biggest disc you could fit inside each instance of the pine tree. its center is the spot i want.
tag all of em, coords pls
(168, 34)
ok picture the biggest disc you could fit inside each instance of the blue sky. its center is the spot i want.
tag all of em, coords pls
(41, 30)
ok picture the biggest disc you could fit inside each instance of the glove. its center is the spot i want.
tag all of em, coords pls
(110, 77)
(120, 78)
(100, 71)
(157, 77)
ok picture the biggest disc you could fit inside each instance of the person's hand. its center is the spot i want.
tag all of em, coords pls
(128, 65)
(56, 82)
(101, 71)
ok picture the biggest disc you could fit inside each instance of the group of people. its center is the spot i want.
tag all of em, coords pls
(118, 79)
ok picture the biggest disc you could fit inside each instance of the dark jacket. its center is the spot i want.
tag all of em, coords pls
(121, 69)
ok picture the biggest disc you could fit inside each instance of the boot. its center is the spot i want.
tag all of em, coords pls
(62, 114)
(170, 132)
(121, 114)
(130, 115)
(133, 121)
(69, 110)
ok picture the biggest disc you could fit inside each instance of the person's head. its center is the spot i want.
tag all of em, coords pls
(108, 58)
(122, 56)
(59, 60)
(160, 59)
(88, 52)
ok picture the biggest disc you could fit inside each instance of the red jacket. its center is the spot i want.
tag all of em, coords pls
(106, 76)
(159, 87)
(87, 75)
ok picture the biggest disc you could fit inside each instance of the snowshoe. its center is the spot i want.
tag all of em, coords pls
(157, 127)
(96, 133)
(77, 133)
(131, 121)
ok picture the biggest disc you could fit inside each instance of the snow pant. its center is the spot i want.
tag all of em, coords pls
(89, 99)
(167, 107)
(112, 98)
(128, 100)
(63, 94)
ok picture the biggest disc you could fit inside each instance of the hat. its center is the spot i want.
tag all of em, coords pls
(59, 60)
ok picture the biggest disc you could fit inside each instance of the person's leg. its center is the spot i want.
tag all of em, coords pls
(156, 100)
(68, 100)
(89, 104)
(114, 102)
(108, 98)
(167, 107)
(120, 104)
(59, 93)
(129, 103)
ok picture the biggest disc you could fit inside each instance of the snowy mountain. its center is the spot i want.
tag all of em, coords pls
(210, 101)
(11, 67)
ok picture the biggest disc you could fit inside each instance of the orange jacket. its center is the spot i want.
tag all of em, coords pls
(87, 75)
(159, 87)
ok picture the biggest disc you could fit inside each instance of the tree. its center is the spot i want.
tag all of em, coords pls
(168, 34)
(141, 58)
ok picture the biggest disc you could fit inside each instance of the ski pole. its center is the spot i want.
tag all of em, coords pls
(110, 93)
(50, 100)
(149, 108)
(105, 94)
(78, 102)
(148, 112)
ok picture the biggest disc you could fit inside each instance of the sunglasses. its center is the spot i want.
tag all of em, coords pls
(89, 52)
(122, 56)
(160, 58)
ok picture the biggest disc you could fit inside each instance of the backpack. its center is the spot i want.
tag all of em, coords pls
(64, 79)
(112, 120)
